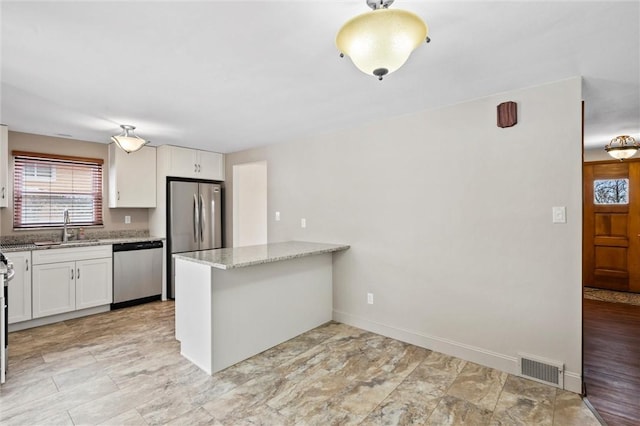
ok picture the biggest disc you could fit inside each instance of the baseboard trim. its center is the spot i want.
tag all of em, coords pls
(37, 322)
(502, 362)
(573, 382)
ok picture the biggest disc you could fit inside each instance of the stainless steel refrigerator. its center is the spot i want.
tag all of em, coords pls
(194, 219)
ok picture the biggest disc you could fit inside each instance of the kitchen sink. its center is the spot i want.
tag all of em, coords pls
(73, 243)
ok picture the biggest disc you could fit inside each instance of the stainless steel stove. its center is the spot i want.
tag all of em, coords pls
(6, 274)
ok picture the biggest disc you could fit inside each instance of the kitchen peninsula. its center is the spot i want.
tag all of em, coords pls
(234, 303)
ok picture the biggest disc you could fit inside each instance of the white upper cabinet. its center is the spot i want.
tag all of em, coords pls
(4, 165)
(210, 165)
(132, 177)
(192, 163)
(183, 162)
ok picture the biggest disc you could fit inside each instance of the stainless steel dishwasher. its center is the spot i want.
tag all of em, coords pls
(137, 273)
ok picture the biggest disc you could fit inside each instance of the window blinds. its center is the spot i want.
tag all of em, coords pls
(45, 185)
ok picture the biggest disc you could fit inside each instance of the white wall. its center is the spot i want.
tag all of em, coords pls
(449, 221)
(250, 204)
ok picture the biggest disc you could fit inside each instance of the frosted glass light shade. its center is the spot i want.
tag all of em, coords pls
(622, 153)
(127, 140)
(622, 147)
(379, 42)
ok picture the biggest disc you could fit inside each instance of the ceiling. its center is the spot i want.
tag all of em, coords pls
(227, 76)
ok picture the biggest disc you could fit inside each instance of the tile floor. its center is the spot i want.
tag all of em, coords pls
(124, 368)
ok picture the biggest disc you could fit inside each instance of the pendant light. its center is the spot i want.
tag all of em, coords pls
(128, 141)
(380, 41)
(622, 147)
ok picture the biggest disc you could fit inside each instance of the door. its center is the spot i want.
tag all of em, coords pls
(210, 216)
(20, 287)
(94, 285)
(611, 245)
(184, 216)
(54, 290)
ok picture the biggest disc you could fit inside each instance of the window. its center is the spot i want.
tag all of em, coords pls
(611, 191)
(39, 172)
(45, 185)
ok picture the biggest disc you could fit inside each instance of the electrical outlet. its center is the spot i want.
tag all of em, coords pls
(370, 298)
(277, 216)
(127, 219)
(303, 223)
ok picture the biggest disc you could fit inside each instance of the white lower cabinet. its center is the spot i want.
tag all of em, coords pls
(20, 287)
(66, 280)
(93, 283)
(54, 290)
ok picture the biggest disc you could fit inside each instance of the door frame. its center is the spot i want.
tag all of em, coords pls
(637, 178)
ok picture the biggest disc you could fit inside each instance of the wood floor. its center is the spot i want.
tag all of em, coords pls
(612, 360)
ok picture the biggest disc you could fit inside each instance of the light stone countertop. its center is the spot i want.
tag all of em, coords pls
(240, 257)
(129, 240)
(8, 248)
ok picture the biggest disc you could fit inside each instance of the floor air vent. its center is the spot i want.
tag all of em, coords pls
(541, 370)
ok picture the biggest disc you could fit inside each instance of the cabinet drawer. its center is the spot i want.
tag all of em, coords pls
(54, 255)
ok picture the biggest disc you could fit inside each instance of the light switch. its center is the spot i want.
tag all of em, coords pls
(127, 219)
(559, 214)
(303, 223)
(277, 216)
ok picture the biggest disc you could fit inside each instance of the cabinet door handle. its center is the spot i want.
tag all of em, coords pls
(118, 195)
(78, 274)
(195, 168)
(4, 190)
(27, 262)
(199, 168)
(71, 273)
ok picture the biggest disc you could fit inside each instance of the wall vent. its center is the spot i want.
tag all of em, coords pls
(541, 370)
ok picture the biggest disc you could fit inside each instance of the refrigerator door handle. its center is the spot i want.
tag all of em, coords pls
(196, 217)
(213, 217)
(202, 218)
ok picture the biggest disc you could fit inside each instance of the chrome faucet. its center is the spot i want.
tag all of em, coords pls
(65, 234)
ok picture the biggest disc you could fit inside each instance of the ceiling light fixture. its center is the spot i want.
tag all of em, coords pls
(128, 141)
(379, 42)
(622, 147)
